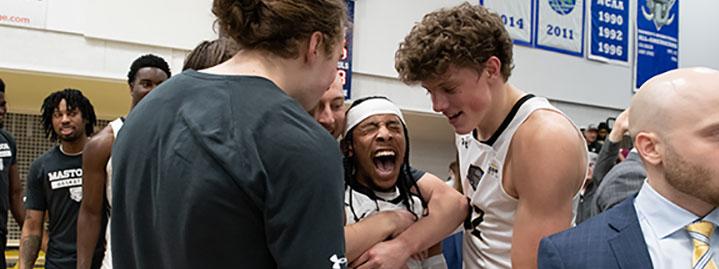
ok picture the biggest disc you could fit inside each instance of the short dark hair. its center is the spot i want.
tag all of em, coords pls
(147, 60)
(2, 86)
(73, 99)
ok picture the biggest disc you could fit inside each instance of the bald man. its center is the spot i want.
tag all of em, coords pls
(670, 223)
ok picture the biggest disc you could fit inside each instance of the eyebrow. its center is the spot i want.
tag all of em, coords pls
(714, 127)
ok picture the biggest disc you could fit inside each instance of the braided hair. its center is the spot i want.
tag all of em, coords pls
(405, 181)
(74, 99)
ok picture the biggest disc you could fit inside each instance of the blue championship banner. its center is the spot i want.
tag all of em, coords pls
(516, 16)
(657, 43)
(560, 26)
(344, 66)
(609, 27)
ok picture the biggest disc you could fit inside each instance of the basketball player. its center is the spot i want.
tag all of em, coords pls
(54, 183)
(146, 73)
(522, 161)
(378, 179)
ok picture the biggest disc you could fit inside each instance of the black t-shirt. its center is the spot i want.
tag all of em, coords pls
(8, 154)
(216, 171)
(54, 183)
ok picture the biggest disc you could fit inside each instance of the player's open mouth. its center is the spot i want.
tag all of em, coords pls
(385, 162)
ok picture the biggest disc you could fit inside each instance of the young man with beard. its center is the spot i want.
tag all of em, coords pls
(379, 181)
(54, 183)
(146, 73)
(10, 186)
(671, 223)
(522, 161)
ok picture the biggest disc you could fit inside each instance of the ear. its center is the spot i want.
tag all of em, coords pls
(650, 147)
(314, 44)
(346, 147)
(493, 66)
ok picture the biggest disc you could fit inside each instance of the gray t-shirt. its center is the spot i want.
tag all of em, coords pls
(54, 183)
(215, 171)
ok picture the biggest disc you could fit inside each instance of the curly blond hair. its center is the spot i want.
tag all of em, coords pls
(462, 36)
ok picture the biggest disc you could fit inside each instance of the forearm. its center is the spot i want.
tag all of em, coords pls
(605, 161)
(361, 236)
(17, 209)
(447, 210)
(88, 232)
(30, 242)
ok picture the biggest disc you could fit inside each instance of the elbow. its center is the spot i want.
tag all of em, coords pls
(463, 204)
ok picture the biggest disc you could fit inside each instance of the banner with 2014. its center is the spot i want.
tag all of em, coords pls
(555, 25)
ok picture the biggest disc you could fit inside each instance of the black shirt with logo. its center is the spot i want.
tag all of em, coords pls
(213, 171)
(54, 183)
(8, 157)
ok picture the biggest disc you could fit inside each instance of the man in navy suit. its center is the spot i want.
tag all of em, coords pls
(670, 223)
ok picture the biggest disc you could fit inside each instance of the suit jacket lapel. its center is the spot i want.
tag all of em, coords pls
(628, 245)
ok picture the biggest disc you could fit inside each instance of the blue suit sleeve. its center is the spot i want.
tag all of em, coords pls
(548, 256)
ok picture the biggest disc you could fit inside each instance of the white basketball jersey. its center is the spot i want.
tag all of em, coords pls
(359, 205)
(107, 260)
(488, 242)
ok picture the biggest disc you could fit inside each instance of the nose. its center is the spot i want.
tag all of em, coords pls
(324, 116)
(439, 102)
(65, 118)
(383, 133)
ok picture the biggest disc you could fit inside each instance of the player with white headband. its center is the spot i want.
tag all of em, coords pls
(379, 180)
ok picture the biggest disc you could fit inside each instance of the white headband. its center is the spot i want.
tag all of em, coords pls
(369, 108)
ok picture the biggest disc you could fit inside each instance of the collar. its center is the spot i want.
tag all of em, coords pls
(665, 217)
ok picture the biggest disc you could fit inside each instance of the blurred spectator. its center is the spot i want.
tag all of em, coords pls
(590, 135)
(602, 132)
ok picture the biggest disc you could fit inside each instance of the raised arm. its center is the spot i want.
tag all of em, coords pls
(447, 209)
(545, 168)
(89, 221)
(608, 155)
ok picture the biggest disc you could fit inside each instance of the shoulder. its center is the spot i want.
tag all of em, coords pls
(591, 237)
(284, 122)
(547, 152)
(4, 134)
(45, 158)
(545, 127)
(100, 142)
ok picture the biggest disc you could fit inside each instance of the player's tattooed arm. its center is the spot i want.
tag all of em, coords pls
(31, 238)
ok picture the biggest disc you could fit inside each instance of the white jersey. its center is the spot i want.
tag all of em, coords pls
(488, 242)
(107, 260)
(359, 204)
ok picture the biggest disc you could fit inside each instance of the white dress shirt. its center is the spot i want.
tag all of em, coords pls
(664, 224)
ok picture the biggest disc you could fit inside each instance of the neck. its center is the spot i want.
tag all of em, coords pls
(74, 147)
(366, 181)
(266, 65)
(690, 203)
(506, 96)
